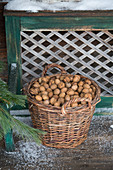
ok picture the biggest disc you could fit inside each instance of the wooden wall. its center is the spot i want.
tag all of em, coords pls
(3, 52)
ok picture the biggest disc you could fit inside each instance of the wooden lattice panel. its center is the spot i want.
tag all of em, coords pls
(89, 53)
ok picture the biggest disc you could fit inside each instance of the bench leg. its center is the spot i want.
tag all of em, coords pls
(12, 84)
(9, 142)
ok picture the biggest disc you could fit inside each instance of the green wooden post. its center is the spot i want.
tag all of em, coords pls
(106, 102)
(12, 25)
(13, 57)
(9, 142)
(12, 85)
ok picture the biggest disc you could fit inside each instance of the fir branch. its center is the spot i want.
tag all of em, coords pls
(28, 132)
(4, 100)
(1, 134)
(8, 99)
(11, 99)
(3, 84)
(20, 128)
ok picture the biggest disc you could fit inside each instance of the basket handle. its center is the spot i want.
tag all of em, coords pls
(53, 65)
(98, 100)
(63, 110)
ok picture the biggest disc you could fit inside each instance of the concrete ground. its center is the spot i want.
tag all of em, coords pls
(96, 153)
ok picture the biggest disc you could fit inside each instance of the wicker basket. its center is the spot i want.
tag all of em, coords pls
(65, 127)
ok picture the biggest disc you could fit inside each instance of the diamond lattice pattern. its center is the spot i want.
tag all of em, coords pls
(89, 53)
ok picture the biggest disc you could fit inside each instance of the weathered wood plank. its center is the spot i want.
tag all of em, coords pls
(3, 53)
(82, 13)
(13, 74)
(9, 142)
(52, 22)
(105, 102)
(2, 26)
(3, 57)
(12, 86)
(13, 45)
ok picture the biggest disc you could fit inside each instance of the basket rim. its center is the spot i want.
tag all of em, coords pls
(55, 108)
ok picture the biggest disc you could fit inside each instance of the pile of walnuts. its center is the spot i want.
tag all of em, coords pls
(56, 90)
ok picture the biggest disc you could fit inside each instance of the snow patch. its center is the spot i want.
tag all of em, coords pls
(26, 120)
(35, 6)
(111, 126)
(107, 110)
(30, 154)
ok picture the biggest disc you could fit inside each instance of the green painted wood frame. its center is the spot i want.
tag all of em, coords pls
(17, 21)
(12, 85)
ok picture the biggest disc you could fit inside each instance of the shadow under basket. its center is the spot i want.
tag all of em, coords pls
(66, 127)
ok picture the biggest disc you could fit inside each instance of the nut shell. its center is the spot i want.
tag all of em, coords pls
(80, 89)
(76, 78)
(70, 92)
(44, 93)
(80, 83)
(52, 100)
(74, 87)
(67, 98)
(85, 90)
(57, 104)
(51, 82)
(36, 84)
(42, 88)
(45, 79)
(38, 98)
(57, 81)
(61, 100)
(34, 91)
(87, 86)
(53, 86)
(62, 95)
(49, 90)
(68, 85)
(63, 90)
(61, 85)
(62, 78)
(56, 96)
(56, 91)
(46, 102)
(45, 97)
(46, 85)
(88, 81)
(66, 79)
(88, 95)
(50, 94)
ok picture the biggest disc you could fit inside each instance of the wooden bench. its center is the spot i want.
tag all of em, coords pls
(19, 22)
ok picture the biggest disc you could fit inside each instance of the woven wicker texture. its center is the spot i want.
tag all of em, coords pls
(66, 127)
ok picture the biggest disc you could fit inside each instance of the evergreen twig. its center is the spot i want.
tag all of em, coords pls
(7, 121)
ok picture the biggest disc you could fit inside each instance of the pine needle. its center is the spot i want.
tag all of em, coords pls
(7, 122)
(21, 129)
